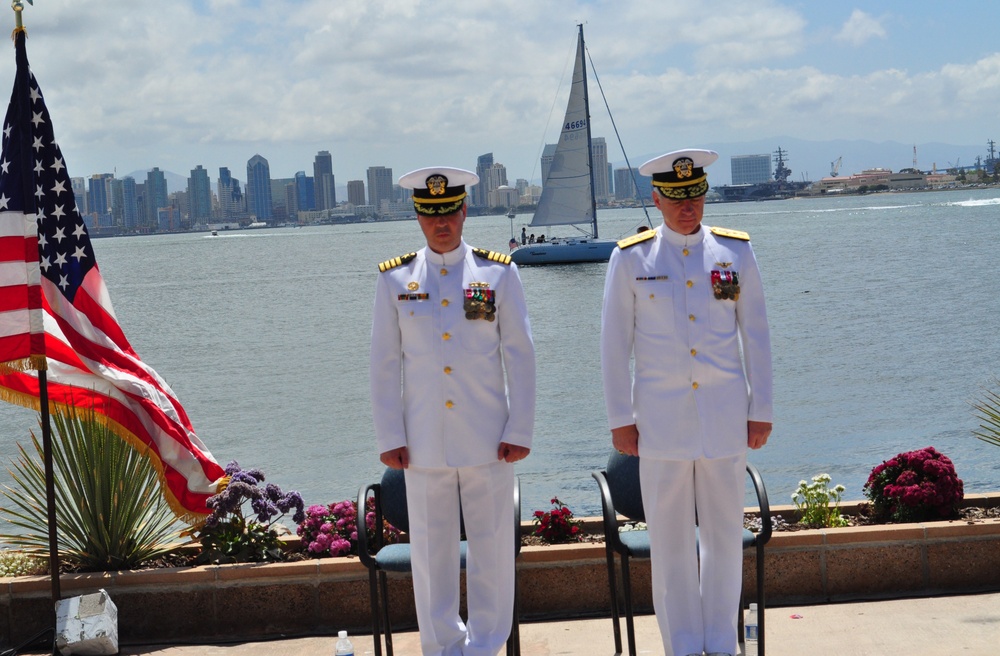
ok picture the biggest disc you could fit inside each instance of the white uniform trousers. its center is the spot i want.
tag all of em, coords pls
(487, 497)
(696, 611)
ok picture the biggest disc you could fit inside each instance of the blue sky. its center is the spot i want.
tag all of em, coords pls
(411, 83)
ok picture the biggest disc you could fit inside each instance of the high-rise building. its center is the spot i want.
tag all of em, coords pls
(599, 159)
(156, 196)
(199, 192)
(130, 214)
(305, 194)
(259, 189)
(99, 194)
(80, 193)
(230, 195)
(750, 169)
(479, 193)
(379, 186)
(490, 180)
(547, 154)
(356, 192)
(324, 182)
(624, 187)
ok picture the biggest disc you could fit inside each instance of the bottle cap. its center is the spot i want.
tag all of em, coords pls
(342, 634)
(753, 606)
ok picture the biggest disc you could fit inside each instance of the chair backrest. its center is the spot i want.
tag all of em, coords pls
(622, 474)
(393, 499)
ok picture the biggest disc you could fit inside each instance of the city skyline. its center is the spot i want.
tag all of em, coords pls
(212, 82)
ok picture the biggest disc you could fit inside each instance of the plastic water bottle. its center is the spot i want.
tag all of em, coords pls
(344, 646)
(750, 634)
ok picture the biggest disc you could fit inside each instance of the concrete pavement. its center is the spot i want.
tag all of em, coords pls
(928, 626)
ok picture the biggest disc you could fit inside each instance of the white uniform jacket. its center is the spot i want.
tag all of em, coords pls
(691, 393)
(447, 387)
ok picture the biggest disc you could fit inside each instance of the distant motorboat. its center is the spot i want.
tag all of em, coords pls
(215, 233)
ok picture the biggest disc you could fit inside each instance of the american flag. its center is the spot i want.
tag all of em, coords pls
(56, 315)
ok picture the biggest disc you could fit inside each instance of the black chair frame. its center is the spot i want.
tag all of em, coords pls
(377, 577)
(613, 544)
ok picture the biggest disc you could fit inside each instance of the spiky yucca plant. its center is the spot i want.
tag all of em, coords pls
(988, 412)
(110, 512)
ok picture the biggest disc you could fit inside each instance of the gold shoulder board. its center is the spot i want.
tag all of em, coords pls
(637, 238)
(395, 262)
(732, 234)
(493, 256)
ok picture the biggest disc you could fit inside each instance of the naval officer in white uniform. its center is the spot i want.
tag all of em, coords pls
(685, 301)
(450, 322)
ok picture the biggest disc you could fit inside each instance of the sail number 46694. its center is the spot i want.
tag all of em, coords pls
(575, 125)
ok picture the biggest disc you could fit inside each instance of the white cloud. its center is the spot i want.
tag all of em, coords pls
(401, 82)
(860, 28)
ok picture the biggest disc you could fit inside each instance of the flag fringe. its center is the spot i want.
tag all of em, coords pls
(30, 363)
(193, 519)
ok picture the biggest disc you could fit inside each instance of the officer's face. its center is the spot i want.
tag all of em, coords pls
(681, 216)
(443, 233)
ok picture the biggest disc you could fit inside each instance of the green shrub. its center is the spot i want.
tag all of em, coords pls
(18, 563)
(110, 512)
(915, 486)
(813, 503)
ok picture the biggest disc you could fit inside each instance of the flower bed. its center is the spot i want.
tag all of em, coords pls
(319, 596)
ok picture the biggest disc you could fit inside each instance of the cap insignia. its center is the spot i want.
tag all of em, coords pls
(436, 185)
(684, 167)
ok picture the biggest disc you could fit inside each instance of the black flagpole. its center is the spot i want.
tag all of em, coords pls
(43, 390)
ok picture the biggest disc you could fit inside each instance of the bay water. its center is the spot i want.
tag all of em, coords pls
(883, 308)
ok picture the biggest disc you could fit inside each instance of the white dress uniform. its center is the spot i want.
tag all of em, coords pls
(702, 369)
(467, 385)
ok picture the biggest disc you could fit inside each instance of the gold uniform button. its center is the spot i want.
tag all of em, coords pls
(444, 272)
(690, 283)
(694, 351)
(686, 251)
(652, 295)
(446, 336)
(691, 317)
(448, 404)
(447, 370)
(444, 302)
(693, 385)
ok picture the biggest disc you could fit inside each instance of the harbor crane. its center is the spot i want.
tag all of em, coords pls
(835, 167)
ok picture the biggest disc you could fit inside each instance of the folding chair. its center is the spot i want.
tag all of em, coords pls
(621, 495)
(380, 558)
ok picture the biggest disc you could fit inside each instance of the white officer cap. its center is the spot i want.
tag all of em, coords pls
(680, 174)
(438, 190)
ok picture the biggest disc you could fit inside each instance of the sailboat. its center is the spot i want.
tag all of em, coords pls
(568, 190)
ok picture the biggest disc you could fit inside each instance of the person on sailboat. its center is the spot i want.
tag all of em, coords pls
(682, 299)
(524, 236)
(450, 322)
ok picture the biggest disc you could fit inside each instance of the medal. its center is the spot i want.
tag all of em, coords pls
(480, 302)
(726, 285)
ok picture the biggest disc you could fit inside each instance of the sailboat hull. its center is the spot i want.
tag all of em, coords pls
(569, 251)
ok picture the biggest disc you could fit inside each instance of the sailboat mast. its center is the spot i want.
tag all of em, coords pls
(590, 149)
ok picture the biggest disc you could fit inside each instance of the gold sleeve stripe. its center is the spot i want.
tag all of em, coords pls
(636, 239)
(395, 262)
(493, 256)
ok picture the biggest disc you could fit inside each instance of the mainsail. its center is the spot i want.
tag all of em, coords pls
(568, 190)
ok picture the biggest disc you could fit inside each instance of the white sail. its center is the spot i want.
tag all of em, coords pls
(567, 192)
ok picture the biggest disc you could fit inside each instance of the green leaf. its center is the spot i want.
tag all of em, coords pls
(110, 511)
